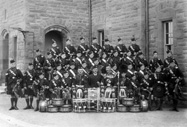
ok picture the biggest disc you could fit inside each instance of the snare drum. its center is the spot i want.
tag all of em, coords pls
(144, 105)
(108, 105)
(135, 108)
(52, 109)
(122, 108)
(93, 105)
(43, 105)
(128, 101)
(57, 102)
(65, 108)
(79, 105)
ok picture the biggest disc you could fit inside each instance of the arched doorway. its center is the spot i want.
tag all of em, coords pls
(6, 52)
(58, 33)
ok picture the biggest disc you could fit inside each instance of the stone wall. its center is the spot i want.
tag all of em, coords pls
(175, 10)
(71, 16)
(15, 17)
(122, 18)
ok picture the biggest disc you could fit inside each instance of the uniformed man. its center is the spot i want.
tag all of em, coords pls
(78, 60)
(139, 59)
(38, 62)
(83, 47)
(169, 59)
(81, 78)
(175, 80)
(155, 62)
(70, 49)
(95, 47)
(29, 89)
(49, 66)
(55, 50)
(134, 48)
(121, 48)
(159, 87)
(90, 58)
(42, 87)
(115, 58)
(64, 60)
(55, 86)
(13, 77)
(95, 79)
(72, 70)
(107, 48)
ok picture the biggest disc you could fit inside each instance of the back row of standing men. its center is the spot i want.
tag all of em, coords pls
(93, 66)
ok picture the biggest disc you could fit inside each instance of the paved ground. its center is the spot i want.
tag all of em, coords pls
(29, 118)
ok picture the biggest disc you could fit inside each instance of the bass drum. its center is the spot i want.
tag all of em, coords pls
(65, 108)
(128, 101)
(122, 108)
(144, 105)
(52, 109)
(57, 102)
(43, 106)
(135, 108)
(159, 90)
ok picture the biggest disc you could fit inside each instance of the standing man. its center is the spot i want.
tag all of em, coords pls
(155, 62)
(121, 48)
(70, 49)
(107, 48)
(83, 47)
(169, 59)
(13, 78)
(95, 47)
(134, 48)
(38, 62)
(55, 50)
(29, 78)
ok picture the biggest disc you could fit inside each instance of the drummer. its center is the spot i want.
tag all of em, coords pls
(55, 87)
(95, 79)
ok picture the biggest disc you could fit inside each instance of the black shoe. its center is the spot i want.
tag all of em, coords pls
(174, 109)
(159, 109)
(12, 108)
(36, 109)
(26, 108)
(16, 108)
(31, 107)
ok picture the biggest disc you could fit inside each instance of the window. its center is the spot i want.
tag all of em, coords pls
(168, 36)
(101, 37)
(5, 15)
(15, 48)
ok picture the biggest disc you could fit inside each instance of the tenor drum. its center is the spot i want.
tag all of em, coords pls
(43, 105)
(52, 109)
(122, 108)
(79, 105)
(128, 101)
(57, 102)
(65, 108)
(144, 105)
(135, 108)
(108, 105)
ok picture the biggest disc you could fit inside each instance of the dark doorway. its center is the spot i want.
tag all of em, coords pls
(6, 52)
(57, 36)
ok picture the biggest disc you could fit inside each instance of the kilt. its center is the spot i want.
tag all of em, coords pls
(29, 91)
(47, 93)
(159, 90)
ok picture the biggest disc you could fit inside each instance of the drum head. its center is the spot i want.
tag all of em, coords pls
(159, 90)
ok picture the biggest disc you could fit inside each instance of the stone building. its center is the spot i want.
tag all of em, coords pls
(27, 25)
